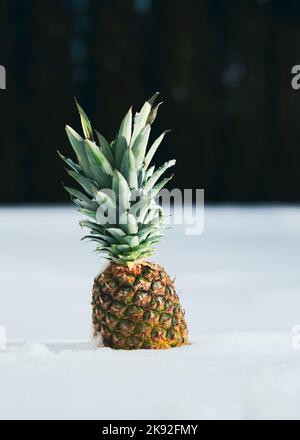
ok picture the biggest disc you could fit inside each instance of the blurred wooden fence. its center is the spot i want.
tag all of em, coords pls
(223, 69)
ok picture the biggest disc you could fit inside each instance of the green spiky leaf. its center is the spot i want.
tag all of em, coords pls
(120, 186)
(77, 143)
(154, 178)
(117, 233)
(120, 148)
(160, 186)
(77, 194)
(106, 148)
(121, 190)
(153, 149)
(88, 185)
(140, 145)
(70, 163)
(126, 126)
(85, 122)
(129, 169)
(142, 117)
(100, 167)
(88, 212)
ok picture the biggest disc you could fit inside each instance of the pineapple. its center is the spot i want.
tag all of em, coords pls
(134, 302)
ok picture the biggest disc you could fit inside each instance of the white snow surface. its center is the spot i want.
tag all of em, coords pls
(240, 285)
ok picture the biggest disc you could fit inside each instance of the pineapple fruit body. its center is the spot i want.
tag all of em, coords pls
(134, 302)
(137, 307)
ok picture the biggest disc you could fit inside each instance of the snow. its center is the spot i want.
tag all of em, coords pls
(238, 281)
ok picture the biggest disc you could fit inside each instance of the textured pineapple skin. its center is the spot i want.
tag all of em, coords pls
(137, 307)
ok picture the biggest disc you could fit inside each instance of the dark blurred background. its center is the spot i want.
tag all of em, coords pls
(223, 69)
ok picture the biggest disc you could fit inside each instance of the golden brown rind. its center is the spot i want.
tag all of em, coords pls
(138, 307)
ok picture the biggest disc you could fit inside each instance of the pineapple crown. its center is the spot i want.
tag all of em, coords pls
(120, 186)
